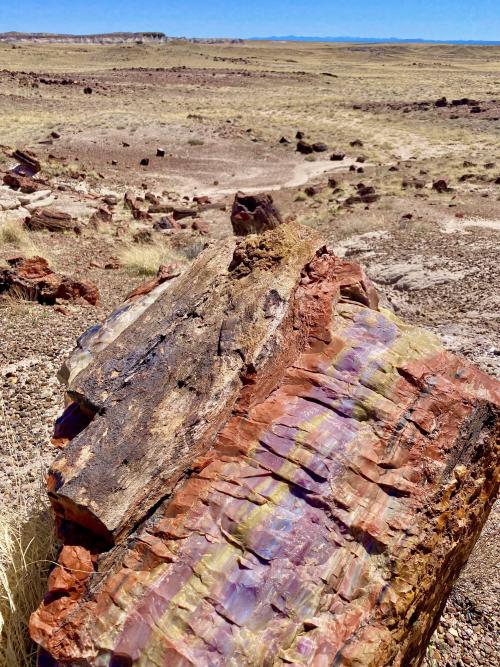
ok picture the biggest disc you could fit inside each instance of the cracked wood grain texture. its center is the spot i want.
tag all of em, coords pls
(305, 475)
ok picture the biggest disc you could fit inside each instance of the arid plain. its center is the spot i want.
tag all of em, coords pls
(399, 169)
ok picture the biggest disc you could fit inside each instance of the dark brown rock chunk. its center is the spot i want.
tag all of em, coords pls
(440, 185)
(22, 183)
(304, 147)
(181, 213)
(133, 204)
(28, 163)
(101, 215)
(254, 214)
(52, 220)
(201, 227)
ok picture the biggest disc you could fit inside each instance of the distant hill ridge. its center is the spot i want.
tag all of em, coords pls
(375, 40)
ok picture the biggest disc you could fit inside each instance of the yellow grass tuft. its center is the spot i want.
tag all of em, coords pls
(12, 231)
(144, 260)
(27, 548)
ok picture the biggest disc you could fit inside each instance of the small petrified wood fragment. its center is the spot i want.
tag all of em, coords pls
(280, 473)
(33, 280)
(254, 214)
(133, 204)
(28, 163)
(22, 183)
(51, 220)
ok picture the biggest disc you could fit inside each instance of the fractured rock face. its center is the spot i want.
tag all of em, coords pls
(270, 471)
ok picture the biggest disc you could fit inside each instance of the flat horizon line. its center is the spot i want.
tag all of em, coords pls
(270, 38)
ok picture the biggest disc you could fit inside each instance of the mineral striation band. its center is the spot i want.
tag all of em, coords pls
(321, 522)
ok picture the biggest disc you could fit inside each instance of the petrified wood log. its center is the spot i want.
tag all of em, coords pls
(254, 214)
(137, 212)
(274, 472)
(23, 183)
(28, 163)
(52, 220)
(33, 280)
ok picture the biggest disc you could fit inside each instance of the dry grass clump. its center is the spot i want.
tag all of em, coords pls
(347, 226)
(27, 548)
(26, 551)
(12, 231)
(144, 260)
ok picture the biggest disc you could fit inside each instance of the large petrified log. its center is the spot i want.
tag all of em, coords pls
(269, 471)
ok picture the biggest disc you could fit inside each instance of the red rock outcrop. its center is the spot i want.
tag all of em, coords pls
(270, 471)
(32, 279)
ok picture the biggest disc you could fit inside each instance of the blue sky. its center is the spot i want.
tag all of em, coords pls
(429, 19)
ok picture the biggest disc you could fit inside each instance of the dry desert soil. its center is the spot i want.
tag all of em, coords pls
(218, 113)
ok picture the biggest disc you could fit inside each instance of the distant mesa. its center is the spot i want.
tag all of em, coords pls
(107, 38)
(160, 37)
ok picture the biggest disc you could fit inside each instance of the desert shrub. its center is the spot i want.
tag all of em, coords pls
(196, 142)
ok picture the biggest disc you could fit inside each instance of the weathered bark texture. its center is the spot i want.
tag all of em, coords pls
(280, 473)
